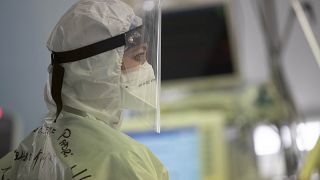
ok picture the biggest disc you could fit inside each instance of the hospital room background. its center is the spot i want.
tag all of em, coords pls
(237, 101)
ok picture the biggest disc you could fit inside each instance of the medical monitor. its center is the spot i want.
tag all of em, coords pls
(190, 145)
(197, 43)
(172, 147)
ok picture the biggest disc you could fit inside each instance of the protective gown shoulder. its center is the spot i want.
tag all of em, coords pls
(81, 148)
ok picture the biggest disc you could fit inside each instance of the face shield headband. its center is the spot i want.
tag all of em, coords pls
(129, 39)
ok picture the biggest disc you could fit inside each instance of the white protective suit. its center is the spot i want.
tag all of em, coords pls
(84, 142)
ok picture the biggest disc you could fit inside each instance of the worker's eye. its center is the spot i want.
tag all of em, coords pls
(141, 58)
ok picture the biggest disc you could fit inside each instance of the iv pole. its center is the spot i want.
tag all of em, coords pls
(268, 21)
(269, 24)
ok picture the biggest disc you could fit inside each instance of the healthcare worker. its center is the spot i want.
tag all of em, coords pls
(104, 61)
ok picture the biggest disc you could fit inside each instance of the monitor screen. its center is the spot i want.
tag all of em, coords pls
(174, 148)
(195, 43)
(191, 144)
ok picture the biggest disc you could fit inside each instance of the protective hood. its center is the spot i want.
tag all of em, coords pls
(91, 85)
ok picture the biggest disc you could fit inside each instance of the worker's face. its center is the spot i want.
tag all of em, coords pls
(134, 56)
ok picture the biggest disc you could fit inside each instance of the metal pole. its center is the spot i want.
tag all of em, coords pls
(268, 18)
(306, 28)
(275, 52)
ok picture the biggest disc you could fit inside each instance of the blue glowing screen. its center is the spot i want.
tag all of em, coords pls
(177, 149)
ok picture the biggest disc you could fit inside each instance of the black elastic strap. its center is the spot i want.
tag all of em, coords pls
(56, 86)
(90, 50)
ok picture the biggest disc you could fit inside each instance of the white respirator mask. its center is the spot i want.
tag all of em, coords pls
(138, 88)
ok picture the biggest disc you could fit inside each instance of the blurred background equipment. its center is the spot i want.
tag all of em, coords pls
(190, 144)
(198, 34)
(260, 129)
(276, 44)
(198, 65)
(199, 38)
(10, 131)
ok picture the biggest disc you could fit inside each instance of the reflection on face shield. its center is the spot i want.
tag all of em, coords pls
(135, 49)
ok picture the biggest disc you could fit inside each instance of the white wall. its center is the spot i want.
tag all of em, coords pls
(250, 43)
(24, 29)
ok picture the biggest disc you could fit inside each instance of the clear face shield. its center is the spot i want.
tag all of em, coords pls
(140, 71)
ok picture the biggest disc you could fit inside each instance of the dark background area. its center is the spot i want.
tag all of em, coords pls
(195, 43)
